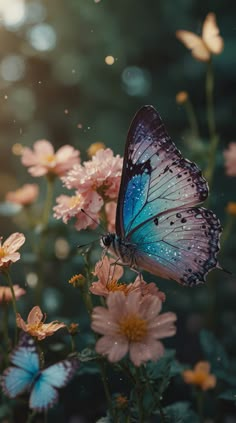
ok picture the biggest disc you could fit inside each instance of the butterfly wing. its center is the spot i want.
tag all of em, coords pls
(155, 178)
(44, 393)
(16, 380)
(155, 207)
(194, 43)
(179, 245)
(210, 34)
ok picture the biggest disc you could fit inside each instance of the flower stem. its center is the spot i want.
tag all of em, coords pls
(48, 200)
(200, 403)
(214, 139)
(31, 416)
(9, 281)
(5, 331)
(192, 118)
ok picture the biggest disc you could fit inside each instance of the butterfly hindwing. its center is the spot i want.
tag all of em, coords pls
(156, 178)
(179, 245)
(44, 393)
(15, 381)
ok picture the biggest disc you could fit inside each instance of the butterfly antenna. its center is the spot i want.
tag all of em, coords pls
(95, 221)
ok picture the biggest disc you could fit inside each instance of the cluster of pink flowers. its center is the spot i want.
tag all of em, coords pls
(96, 183)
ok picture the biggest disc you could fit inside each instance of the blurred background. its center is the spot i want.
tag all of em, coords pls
(75, 72)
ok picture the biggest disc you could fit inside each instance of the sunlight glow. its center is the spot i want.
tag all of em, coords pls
(12, 12)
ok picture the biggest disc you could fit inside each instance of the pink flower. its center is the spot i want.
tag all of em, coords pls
(110, 209)
(8, 250)
(70, 207)
(35, 325)
(102, 174)
(43, 159)
(132, 324)
(108, 281)
(25, 195)
(6, 295)
(230, 159)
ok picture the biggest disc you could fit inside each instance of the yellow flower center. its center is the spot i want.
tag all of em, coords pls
(113, 285)
(50, 158)
(133, 327)
(75, 200)
(200, 377)
(34, 327)
(2, 252)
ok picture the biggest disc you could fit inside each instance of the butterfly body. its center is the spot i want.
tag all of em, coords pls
(26, 375)
(158, 226)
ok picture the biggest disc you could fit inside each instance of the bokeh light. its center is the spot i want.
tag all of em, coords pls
(109, 60)
(136, 81)
(42, 37)
(13, 13)
(12, 67)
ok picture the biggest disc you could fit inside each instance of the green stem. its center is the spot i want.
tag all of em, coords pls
(214, 139)
(5, 332)
(192, 118)
(41, 245)
(31, 416)
(139, 395)
(200, 403)
(9, 281)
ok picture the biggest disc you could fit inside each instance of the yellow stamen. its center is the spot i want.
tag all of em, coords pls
(77, 281)
(50, 158)
(133, 327)
(113, 285)
(2, 252)
(75, 200)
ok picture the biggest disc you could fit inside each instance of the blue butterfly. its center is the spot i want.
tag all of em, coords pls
(158, 226)
(26, 375)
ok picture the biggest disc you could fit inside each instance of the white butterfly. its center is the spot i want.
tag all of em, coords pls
(209, 43)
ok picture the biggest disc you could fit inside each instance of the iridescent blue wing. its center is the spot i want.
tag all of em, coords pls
(44, 393)
(16, 380)
(155, 178)
(179, 245)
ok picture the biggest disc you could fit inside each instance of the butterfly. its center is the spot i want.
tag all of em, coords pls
(158, 226)
(26, 375)
(210, 42)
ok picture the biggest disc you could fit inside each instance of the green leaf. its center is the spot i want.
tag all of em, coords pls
(214, 351)
(180, 412)
(160, 371)
(229, 395)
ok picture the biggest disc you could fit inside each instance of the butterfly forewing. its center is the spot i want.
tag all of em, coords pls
(156, 178)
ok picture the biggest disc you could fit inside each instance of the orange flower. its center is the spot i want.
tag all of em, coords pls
(231, 208)
(92, 150)
(200, 376)
(181, 97)
(209, 43)
(35, 325)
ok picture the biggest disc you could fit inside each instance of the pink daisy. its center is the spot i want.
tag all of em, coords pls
(25, 195)
(69, 207)
(43, 160)
(102, 174)
(8, 249)
(230, 159)
(35, 325)
(132, 324)
(6, 295)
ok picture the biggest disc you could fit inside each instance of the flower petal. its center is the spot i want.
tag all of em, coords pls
(35, 316)
(114, 347)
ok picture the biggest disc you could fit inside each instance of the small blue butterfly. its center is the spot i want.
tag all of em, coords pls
(158, 226)
(26, 375)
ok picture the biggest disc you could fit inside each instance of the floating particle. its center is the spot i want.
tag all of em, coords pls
(109, 60)
(17, 149)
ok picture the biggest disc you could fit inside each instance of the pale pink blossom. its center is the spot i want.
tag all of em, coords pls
(25, 195)
(35, 325)
(132, 324)
(8, 249)
(109, 275)
(110, 209)
(43, 160)
(69, 207)
(102, 174)
(6, 295)
(230, 159)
